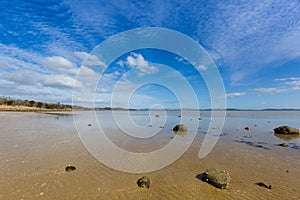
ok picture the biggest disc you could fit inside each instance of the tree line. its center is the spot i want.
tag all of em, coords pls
(31, 103)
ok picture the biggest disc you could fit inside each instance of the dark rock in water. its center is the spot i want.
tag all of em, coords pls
(180, 129)
(156, 115)
(89, 124)
(284, 145)
(179, 115)
(261, 184)
(149, 125)
(143, 182)
(161, 126)
(217, 178)
(70, 168)
(247, 128)
(286, 130)
(199, 118)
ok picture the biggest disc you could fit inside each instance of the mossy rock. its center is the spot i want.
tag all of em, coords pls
(217, 178)
(286, 130)
(143, 182)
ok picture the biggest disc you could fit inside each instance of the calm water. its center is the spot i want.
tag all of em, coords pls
(142, 126)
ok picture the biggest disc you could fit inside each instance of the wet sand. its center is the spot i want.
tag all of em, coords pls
(35, 148)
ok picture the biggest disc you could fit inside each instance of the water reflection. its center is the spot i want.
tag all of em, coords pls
(287, 137)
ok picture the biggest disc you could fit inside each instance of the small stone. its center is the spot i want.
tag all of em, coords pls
(89, 124)
(217, 178)
(247, 128)
(161, 126)
(156, 115)
(70, 168)
(144, 182)
(149, 125)
(283, 145)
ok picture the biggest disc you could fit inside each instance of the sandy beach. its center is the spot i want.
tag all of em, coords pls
(35, 149)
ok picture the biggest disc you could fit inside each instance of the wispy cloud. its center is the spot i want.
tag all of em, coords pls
(271, 90)
(285, 85)
(201, 67)
(235, 94)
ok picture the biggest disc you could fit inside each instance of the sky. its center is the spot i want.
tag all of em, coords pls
(254, 44)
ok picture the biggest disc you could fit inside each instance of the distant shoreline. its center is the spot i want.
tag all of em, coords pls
(18, 108)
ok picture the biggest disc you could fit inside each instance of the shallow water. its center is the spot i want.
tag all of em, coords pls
(35, 148)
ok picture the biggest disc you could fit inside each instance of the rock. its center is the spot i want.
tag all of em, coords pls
(143, 182)
(179, 115)
(261, 184)
(89, 124)
(156, 115)
(161, 126)
(217, 178)
(149, 125)
(247, 128)
(180, 129)
(70, 168)
(286, 130)
(284, 145)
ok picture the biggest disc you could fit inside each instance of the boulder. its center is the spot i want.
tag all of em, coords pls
(143, 182)
(286, 130)
(217, 178)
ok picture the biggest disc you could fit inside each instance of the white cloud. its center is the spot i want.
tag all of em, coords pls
(113, 75)
(60, 64)
(235, 94)
(58, 81)
(137, 61)
(89, 60)
(201, 67)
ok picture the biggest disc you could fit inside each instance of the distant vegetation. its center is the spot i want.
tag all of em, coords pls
(31, 104)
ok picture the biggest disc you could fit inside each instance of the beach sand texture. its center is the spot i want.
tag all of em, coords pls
(35, 149)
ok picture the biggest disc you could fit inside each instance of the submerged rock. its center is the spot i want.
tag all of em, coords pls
(284, 145)
(143, 182)
(180, 129)
(70, 168)
(89, 124)
(217, 178)
(156, 115)
(286, 130)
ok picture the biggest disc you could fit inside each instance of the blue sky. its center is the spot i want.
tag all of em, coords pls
(255, 45)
